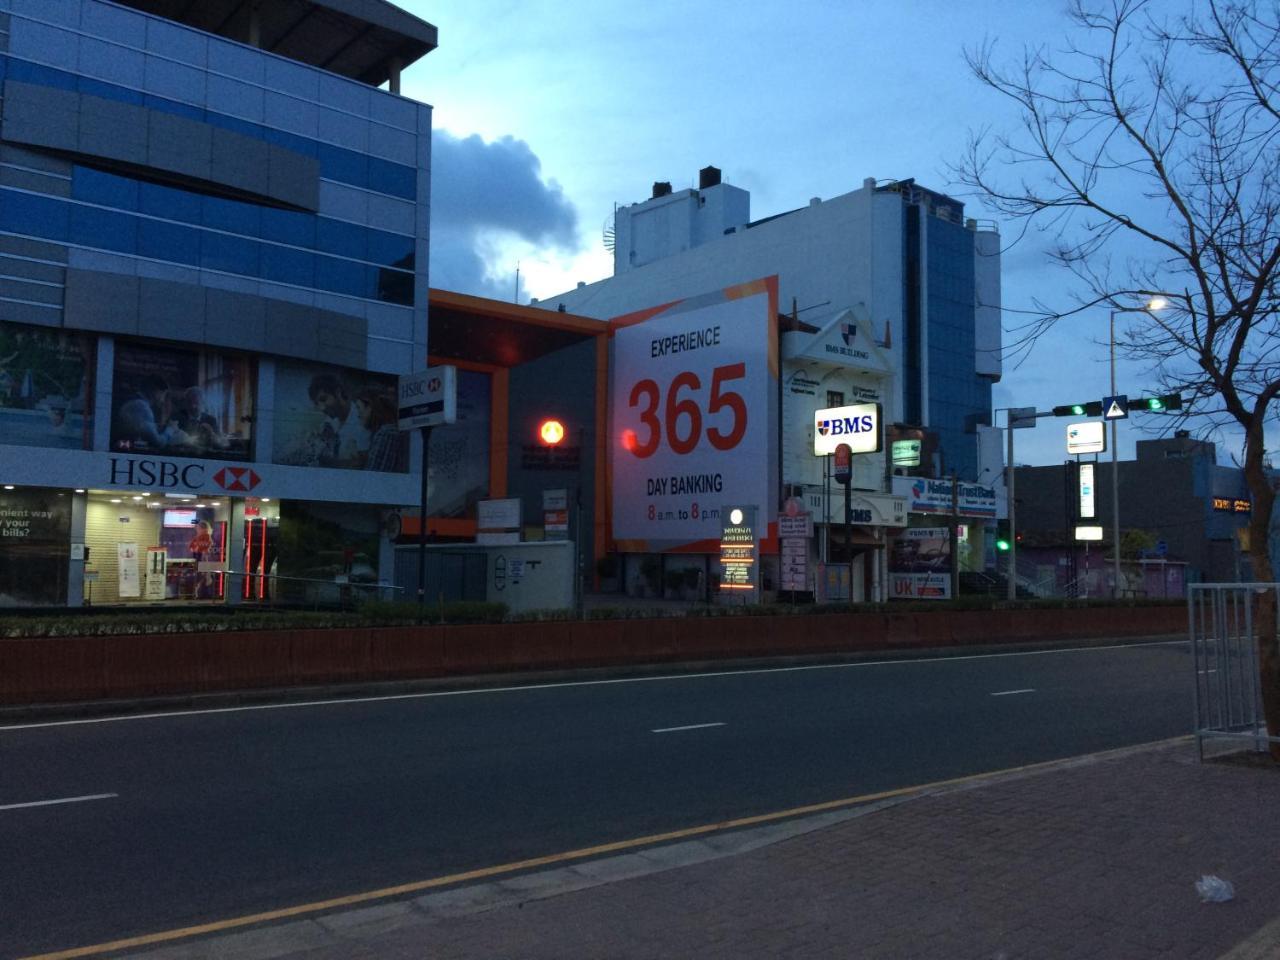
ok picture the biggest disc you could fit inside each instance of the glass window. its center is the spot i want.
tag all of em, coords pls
(345, 165)
(341, 276)
(165, 105)
(288, 226)
(108, 91)
(393, 286)
(230, 254)
(168, 241)
(34, 215)
(232, 215)
(167, 202)
(393, 178)
(27, 72)
(107, 189)
(344, 239)
(391, 249)
(286, 265)
(104, 229)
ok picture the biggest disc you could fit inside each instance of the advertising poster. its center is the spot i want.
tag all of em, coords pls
(35, 535)
(157, 571)
(458, 472)
(45, 395)
(694, 392)
(127, 570)
(920, 564)
(182, 403)
(334, 417)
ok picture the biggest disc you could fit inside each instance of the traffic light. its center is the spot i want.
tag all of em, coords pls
(1002, 536)
(1160, 404)
(1093, 409)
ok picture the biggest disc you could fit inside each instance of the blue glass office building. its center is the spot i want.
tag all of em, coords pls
(213, 252)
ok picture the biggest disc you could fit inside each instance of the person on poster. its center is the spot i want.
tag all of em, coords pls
(198, 426)
(201, 546)
(143, 417)
(345, 439)
(377, 415)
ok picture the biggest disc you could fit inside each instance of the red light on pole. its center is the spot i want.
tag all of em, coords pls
(551, 432)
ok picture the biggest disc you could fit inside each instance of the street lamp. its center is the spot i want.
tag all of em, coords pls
(1155, 303)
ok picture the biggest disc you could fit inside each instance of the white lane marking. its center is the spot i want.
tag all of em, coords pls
(692, 726)
(50, 803)
(338, 701)
(1010, 693)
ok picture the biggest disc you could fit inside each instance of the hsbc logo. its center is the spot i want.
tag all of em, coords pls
(236, 479)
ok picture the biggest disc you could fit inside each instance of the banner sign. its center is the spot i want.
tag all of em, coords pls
(1088, 505)
(693, 395)
(1089, 436)
(857, 425)
(739, 563)
(920, 564)
(428, 398)
(934, 496)
(130, 584)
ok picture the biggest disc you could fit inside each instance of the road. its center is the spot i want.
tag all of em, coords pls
(208, 815)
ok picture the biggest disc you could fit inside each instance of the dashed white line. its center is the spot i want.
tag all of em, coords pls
(50, 803)
(692, 726)
(1010, 693)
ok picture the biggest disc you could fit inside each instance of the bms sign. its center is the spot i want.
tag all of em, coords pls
(858, 426)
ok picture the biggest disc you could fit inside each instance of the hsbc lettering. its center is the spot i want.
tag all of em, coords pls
(132, 472)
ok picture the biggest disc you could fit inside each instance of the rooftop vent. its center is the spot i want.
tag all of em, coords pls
(661, 188)
(708, 177)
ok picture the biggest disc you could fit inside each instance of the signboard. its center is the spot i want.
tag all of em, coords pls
(130, 584)
(555, 524)
(694, 393)
(798, 526)
(794, 561)
(498, 521)
(157, 570)
(1230, 505)
(738, 556)
(1087, 437)
(843, 466)
(1115, 408)
(906, 453)
(857, 425)
(920, 564)
(1088, 532)
(427, 398)
(934, 496)
(1021, 418)
(1088, 507)
(555, 499)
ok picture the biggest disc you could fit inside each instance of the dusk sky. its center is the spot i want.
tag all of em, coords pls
(547, 114)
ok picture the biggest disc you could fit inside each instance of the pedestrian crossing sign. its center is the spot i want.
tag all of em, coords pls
(1115, 408)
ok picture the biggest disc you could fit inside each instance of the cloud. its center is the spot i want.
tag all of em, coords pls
(485, 192)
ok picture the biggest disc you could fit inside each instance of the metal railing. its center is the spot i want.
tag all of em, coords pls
(272, 589)
(1223, 620)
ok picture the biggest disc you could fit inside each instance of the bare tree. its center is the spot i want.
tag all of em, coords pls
(1149, 148)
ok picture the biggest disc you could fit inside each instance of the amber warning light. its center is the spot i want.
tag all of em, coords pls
(551, 432)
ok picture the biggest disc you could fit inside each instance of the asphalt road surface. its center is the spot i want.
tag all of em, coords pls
(115, 827)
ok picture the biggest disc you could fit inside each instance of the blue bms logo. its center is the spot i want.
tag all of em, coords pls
(842, 426)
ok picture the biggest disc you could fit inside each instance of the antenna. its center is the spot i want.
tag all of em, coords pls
(517, 297)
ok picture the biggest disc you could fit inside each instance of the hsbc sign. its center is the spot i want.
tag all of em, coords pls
(857, 425)
(171, 475)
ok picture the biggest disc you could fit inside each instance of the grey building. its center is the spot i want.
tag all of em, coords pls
(213, 265)
(1177, 505)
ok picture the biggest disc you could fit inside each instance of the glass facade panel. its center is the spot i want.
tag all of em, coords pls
(46, 398)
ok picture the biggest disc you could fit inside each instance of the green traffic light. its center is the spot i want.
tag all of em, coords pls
(1155, 403)
(1077, 409)
(1002, 545)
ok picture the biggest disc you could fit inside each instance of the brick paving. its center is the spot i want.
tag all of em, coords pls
(1094, 859)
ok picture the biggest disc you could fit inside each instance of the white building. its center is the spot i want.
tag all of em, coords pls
(887, 293)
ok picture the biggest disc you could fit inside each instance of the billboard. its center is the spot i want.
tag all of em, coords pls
(182, 403)
(45, 399)
(920, 564)
(334, 417)
(856, 426)
(693, 396)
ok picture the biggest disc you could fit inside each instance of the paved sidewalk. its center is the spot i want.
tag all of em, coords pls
(1095, 858)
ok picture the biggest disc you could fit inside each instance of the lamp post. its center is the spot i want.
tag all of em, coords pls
(1155, 303)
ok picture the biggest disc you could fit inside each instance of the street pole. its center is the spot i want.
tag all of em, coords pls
(579, 576)
(422, 520)
(1011, 587)
(1115, 475)
(848, 528)
(955, 538)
